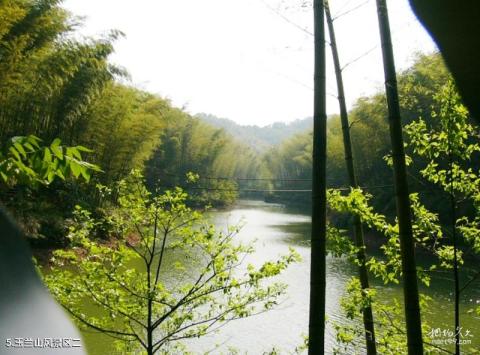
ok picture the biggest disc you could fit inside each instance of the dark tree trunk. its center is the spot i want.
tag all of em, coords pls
(407, 244)
(357, 226)
(149, 319)
(455, 273)
(319, 198)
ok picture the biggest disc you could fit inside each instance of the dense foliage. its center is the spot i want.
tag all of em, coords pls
(59, 88)
(442, 148)
(190, 145)
(26, 161)
(168, 275)
(370, 137)
(260, 138)
(444, 145)
(71, 131)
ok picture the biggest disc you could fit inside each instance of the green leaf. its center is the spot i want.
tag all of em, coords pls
(34, 140)
(75, 169)
(59, 173)
(85, 173)
(84, 149)
(4, 176)
(57, 150)
(50, 176)
(56, 142)
(20, 149)
(15, 153)
(30, 147)
(74, 153)
(47, 156)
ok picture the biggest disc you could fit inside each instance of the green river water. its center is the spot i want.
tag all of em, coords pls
(276, 228)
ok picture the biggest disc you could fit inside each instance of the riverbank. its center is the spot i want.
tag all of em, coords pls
(277, 228)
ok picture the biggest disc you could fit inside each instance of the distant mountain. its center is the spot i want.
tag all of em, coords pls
(259, 138)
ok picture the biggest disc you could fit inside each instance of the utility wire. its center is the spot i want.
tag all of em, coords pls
(345, 5)
(351, 10)
(276, 179)
(241, 190)
(360, 56)
(341, 188)
(285, 18)
(299, 27)
(303, 29)
(238, 178)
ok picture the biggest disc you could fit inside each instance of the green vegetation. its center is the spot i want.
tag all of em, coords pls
(442, 148)
(141, 308)
(259, 138)
(61, 89)
(26, 162)
(370, 139)
(429, 235)
(190, 145)
(116, 177)
(447, 146)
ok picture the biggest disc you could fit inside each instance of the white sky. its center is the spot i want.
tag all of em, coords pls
(239, 58)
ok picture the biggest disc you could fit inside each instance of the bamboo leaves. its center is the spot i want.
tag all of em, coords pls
(25, 159)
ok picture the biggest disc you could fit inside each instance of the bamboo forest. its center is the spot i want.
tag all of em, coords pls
(239, 177)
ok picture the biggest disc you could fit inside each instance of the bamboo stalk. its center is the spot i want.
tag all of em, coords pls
(357, 225)
(319, 198)
(407, 245)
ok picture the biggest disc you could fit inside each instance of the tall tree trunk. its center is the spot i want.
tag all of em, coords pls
(407, 244)
(150, 287)
(319, 198)
(357, 225)
(149, 327)
(455, 269)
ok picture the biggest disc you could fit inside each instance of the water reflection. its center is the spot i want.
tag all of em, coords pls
(277, 228)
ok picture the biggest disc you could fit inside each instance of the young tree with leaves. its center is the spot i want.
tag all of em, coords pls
(446, 145)
(449, 143)
(144, 308)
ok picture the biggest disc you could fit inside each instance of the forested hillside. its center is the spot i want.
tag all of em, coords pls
(286, 149)
(418, 86)
(259, 138)
(64, 91)
(113, 188)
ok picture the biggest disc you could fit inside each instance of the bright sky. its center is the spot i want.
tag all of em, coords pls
(241, 59)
